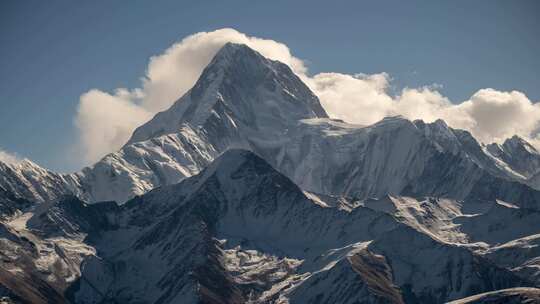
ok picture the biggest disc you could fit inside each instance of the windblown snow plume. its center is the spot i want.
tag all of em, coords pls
(9, 158)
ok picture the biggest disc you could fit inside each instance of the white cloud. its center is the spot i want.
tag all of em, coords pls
(490, 115)
(497, 115)
(354, 98)
(365, 99)
(105, 121)
(9, 158)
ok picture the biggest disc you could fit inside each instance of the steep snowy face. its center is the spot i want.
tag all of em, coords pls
(521, 255)
(430, 271)
(462, 143)
(38, 266)
(326, 156)
(12, 204)
(520, 157)
(239, 89)
(393, 156)
(240, 231)
(29, 181)
(360, 277)
(142, 166)
(169, 237)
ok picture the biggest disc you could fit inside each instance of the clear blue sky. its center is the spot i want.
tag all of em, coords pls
(52, 51)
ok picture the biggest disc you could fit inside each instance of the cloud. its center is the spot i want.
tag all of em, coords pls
(365, 99)
(497, 115)
(9, 158)
(490, 115)
(106, 120)
(354, 98)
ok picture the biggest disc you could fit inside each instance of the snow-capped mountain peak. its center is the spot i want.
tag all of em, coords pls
(520, 156)
(517, 142)
(242, 90)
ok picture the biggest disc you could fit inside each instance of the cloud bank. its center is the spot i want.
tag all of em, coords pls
(490, 115)
(106, 120)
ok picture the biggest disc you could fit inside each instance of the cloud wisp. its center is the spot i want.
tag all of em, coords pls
(9, 158)
(105, 121)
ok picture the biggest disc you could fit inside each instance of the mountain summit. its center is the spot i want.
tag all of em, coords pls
(239, 89)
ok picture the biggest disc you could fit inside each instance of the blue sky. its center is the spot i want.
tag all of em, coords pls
(53, 51)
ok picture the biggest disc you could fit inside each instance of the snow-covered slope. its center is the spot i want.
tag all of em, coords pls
(430, 271)
(482, 223)
(30, 181)
(142, 166)
(508, 296)
(237, 205)
(37, 267)
(520, 157)
(359, 277)
(393, 156)
(521, 255)
(11, 204)
(240, 231)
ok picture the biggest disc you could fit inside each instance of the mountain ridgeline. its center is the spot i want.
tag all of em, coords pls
(245, 191)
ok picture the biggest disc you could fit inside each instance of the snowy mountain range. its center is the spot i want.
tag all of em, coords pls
(245, 191)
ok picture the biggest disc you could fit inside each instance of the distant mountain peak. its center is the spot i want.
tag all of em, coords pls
(517, 141)
(520, 156)
(229, 56)
(230, 49)
(234, 165)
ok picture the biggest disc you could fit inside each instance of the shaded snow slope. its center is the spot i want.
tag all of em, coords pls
(509, 296)
(240, 231)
